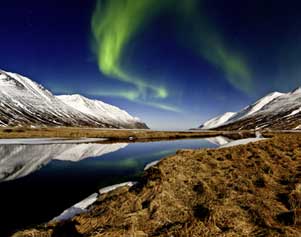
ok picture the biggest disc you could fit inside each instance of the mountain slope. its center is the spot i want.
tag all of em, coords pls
(26, 103)
(218, 121)
(274, 111)
(99, 110)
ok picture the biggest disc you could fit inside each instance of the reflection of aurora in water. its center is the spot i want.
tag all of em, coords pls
(51, 178)
(135, 162)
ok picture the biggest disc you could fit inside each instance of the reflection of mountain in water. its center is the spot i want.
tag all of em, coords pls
(17, 161)
(220, 140)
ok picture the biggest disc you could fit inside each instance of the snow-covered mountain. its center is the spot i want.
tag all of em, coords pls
(274, 111)
(17, 161)
(26, 103)
(218, 121)
(99, 110)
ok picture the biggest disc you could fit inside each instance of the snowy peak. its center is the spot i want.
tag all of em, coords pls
(296, 91)
(99, 110)
(258, 105)
(255, 107)
(281, 107)
(24, 102)
(15, 83)
(95, 108)
(217, 121)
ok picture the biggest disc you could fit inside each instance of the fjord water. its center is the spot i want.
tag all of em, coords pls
(38, 182)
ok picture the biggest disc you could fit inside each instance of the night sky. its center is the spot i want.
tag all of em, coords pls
(173, 63)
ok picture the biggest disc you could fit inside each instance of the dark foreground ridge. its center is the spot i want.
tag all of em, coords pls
(246, 190)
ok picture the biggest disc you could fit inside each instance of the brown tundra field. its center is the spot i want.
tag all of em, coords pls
(245, 190)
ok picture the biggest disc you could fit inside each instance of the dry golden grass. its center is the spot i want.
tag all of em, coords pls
(247, 190)
(112, 134)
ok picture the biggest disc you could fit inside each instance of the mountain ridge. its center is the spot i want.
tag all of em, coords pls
(98, 109)
(27, 103)
(274, 111)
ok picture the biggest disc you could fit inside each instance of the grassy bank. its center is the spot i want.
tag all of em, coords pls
(246, 190)
(111, 134)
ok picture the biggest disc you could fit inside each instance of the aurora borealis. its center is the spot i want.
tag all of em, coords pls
(115, 23)
(172, 63)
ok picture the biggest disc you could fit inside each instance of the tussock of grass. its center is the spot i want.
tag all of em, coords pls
(247, 190)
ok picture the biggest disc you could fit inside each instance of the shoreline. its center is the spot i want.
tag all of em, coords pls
(69, 213)
(232, 191)
(116, 135)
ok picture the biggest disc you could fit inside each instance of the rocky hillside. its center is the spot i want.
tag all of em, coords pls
(274, 111)
(26, 103)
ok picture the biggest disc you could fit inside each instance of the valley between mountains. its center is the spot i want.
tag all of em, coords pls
(250, 187)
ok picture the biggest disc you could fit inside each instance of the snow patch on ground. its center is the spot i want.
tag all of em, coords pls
(151, 164)
(84, 205)
(77, 208)
(113, 187)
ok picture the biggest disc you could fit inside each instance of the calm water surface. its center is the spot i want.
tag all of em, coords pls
(38, 182)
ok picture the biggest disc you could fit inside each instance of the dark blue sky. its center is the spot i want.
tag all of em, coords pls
(193, 57)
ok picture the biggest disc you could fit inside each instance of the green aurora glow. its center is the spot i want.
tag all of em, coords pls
(113, 25)
(116, 22)
(209, 44)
